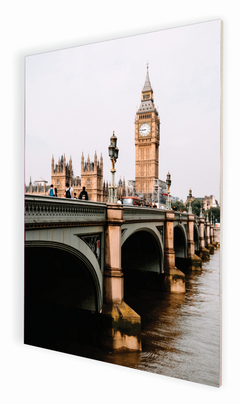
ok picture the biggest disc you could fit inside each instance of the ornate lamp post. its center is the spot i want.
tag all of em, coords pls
(190, 200)
(113, 154)
(168, 182)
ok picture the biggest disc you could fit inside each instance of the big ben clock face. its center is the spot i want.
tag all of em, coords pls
(144, 129)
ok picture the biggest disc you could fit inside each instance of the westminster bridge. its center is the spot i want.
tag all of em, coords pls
(80, 254)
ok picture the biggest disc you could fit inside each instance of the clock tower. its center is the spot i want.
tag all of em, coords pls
(147, 138)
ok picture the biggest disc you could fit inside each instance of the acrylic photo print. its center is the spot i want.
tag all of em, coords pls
(123, 202)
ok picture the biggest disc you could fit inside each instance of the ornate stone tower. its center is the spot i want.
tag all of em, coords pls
(147, 138)
(92, 178)
(60, 174)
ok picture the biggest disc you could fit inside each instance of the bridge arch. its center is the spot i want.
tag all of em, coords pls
(180, 241)
(142, 248)
(65, 274)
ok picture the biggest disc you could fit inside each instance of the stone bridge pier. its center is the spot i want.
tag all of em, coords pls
(193, 261)
(210, 247)
(121, 325)
(203, 251)
(174, 279)
(212, 240)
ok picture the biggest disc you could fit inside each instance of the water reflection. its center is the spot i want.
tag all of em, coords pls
(180, 333)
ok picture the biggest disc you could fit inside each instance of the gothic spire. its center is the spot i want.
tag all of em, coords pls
(147, 101)
(147, 86)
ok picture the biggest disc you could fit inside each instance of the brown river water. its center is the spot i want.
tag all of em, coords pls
(180, 333)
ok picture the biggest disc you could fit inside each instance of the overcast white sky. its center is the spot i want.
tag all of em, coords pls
(76, 98)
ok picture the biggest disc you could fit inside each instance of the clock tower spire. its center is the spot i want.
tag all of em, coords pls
(147, 86)
(147, 138)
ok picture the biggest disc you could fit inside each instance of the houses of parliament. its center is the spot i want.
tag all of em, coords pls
(147, 140)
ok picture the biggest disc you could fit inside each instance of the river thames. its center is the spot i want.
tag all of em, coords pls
(180, 332)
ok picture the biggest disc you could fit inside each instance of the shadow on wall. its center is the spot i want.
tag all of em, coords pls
(60, 299)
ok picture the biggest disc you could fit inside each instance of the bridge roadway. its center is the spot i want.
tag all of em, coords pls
(78, 254)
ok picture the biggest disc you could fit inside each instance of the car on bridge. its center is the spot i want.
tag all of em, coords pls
(132, 200)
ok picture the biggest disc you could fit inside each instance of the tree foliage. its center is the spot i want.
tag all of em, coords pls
(215, 212)
(178, 206)
(196, 206)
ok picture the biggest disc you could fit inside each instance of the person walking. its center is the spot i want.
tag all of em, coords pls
(51, 191)
(83, 194)
(68, 191)
(55, 192)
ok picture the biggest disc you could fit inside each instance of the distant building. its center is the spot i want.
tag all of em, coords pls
(38, 187)
(192, 198)
(91, 178)
(131, 188)
(159, 192)
(176, 199)
(209, 202)
(62, 172)
(121, 189)
(41, 182)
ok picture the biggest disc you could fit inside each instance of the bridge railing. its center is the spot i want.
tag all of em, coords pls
(40, 210)
(134, 213)
(46, 210)
(181, 216)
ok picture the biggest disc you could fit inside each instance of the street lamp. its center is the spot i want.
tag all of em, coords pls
(113, 154)
(168, 182)
(190, 199)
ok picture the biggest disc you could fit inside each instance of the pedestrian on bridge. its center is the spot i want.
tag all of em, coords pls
(83, 194)
(69, 191)
(51, 191)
